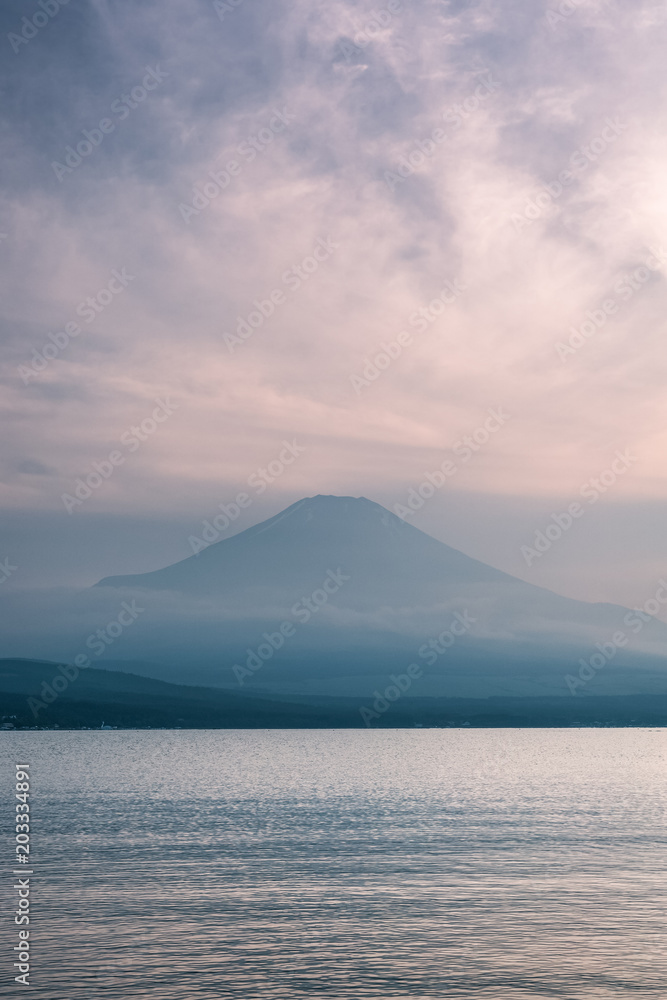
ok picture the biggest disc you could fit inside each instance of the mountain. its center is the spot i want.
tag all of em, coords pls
(288, 552)
(334, 594)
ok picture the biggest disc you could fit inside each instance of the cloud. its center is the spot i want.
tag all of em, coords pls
(32, 468)
(359, 115)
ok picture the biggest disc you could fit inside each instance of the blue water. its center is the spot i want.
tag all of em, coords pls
(485, 864)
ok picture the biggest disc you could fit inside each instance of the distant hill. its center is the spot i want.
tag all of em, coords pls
(124, 700)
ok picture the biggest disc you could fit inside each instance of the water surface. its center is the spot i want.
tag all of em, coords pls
(485, 864)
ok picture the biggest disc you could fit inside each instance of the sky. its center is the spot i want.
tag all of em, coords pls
(331, 242)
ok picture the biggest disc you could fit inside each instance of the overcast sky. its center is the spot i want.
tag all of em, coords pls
(505, 158)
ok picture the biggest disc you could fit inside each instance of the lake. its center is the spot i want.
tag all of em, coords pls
(457, 863)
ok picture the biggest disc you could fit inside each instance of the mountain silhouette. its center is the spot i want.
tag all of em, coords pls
(384, 556)
(378, 590)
